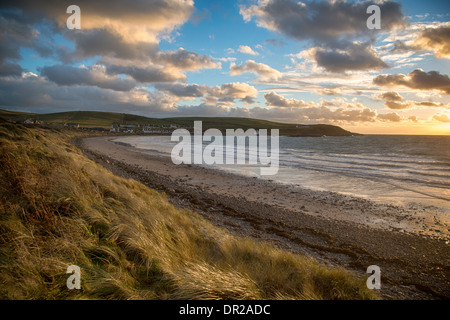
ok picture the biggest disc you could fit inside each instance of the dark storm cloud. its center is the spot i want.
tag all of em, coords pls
(10, 69)
(13, 36)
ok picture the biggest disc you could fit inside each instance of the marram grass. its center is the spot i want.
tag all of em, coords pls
(58, 209)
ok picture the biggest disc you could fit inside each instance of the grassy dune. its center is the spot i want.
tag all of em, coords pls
(58, 208)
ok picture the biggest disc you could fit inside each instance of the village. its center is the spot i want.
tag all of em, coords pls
(114, 128)
(134, 128)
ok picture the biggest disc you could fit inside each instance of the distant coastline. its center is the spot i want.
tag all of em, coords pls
(133, 124)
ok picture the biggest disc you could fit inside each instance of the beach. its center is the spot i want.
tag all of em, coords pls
(409, 244)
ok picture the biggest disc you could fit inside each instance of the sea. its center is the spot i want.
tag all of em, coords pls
(400, 169)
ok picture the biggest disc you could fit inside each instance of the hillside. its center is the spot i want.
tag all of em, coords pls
(84, 118)
(92, 119)
(59, 209)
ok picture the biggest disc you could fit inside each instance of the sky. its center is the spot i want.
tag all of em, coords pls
(301, 62)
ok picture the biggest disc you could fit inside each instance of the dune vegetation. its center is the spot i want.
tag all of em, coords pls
(58, 208)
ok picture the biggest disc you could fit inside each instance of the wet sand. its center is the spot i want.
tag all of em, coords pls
(408, 244)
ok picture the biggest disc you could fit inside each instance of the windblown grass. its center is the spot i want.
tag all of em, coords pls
(58, 208)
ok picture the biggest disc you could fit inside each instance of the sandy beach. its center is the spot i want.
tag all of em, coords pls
(409, 244)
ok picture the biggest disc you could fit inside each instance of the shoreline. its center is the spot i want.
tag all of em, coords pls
(312, 223)
(410, 217)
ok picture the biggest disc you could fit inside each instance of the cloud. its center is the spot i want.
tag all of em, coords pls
(146, 74)
(182, 90)
(442, 118)
(337, 29)
(112, 46)
(261, 69)
(391, 117)
(311, 111)
(337, 110)
(126, 38)
(104, 42)
(330, 91)
(186, 60)
(401, 46)
(12, 91)
(435, 39)
(277, 43)
(393, 100)
(212, 110)
(14, 34)
(247, 50)
(94, 75)
(417, 79)
(228, 92)
(430, 104)
(108, 29)
(321, 21)
(138, 21)
(47, 96)
(356, 56)
(413, 119)
(275, 100)
(225, 94)
(391, 96)
(10, 69)
(325, 114)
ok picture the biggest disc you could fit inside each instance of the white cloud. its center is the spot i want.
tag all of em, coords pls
(261, 69)
(247, 50)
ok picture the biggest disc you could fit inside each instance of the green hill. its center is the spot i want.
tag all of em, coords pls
(92, 119)
(84, 118)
